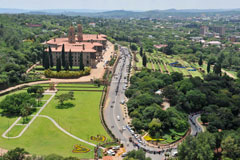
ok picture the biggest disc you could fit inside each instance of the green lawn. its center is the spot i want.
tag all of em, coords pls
(46, 97)
(76, 86)
(43, 137)
(149, 65)
(83, 119)
(40, 67)
(156, 66)
(15, 131)
(139, 63)
(200, 121)
(162, 67)
(233, 73)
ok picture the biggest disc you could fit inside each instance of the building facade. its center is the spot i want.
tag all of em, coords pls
(204, 30)
(91, 46)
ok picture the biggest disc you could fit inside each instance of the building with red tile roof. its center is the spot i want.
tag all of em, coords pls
(90, 45)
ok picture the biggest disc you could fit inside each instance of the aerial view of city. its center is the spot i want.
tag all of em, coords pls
(120, 80)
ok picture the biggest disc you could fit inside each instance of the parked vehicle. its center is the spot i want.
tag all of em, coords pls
(118, 118)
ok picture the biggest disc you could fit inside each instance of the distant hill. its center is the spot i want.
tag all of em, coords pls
(123, 13)
(12, 11)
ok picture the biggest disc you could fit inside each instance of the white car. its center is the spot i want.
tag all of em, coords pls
(123, 128)
(116, 148)
(132, 132)
(118, 118)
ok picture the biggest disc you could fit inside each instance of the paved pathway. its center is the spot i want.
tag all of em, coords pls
(67, 133)
(4, 135)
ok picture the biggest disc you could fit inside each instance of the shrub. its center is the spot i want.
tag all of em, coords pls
(67, 74)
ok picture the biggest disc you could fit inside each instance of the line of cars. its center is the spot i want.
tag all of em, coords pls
(140, 144)
(112, 151)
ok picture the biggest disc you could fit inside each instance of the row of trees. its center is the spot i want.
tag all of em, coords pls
(47, 60)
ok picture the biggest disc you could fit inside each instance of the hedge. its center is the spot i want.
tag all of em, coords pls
(67, 74)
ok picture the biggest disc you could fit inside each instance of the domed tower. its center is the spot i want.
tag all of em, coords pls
(71, 35)
(80, 33)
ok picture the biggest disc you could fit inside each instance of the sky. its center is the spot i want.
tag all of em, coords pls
(120, 4)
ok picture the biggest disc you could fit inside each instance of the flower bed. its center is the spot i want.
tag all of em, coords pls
(80, 149)
(98, 138)
(148, 138)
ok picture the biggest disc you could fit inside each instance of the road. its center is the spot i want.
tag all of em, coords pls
(195, 126)
(114, 112)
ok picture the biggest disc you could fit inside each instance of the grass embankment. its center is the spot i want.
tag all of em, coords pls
(167, 138)
(200, 122)
(43, 137)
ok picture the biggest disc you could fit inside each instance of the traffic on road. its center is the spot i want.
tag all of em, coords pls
(115, 117)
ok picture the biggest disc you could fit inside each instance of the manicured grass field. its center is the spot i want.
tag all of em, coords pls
(139, 63)
(69, 86)
(40, 67)
(15, 130)
(46, 97)
(43, 137)
(82, 120)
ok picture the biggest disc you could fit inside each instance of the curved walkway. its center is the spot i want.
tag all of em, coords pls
(67, 133)
(4, 135)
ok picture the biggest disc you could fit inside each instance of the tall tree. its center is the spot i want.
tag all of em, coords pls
(63, 56)
(66, 66)
(144, 61)
(64, 97)
(208, 67)
(59, 65)
(46, 62)
(24, 112)
(141, 51)
(43, 58)
(81, 65)
(200, 62)
(217, 69)
(70, 59)
(50, 56)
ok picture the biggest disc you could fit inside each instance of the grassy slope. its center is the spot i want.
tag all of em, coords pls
(83, 119)
(139, 63)
(42, 138)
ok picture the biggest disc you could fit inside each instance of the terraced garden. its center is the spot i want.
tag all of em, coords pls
(168, 64)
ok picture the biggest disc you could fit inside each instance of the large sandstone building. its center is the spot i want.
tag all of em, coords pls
(90, 45)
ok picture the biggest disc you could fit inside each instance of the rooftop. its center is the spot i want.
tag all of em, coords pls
(75, 47)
